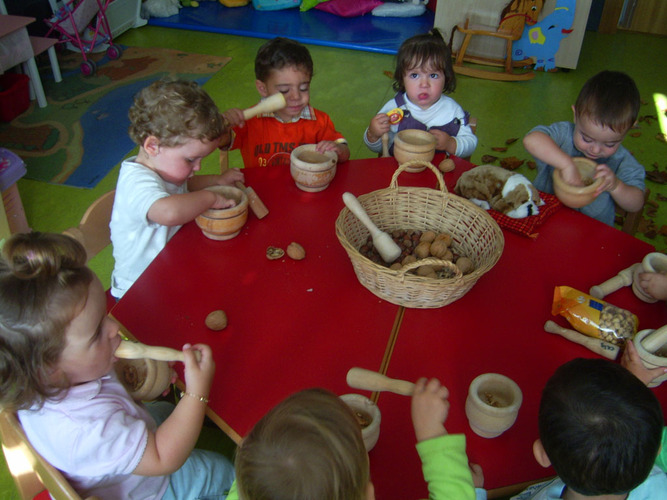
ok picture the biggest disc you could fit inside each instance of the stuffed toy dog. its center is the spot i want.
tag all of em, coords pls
(494, 187)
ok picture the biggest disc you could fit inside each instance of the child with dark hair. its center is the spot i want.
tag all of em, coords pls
(600, 427)
(285, 66)
(424, 74)
(605, 110)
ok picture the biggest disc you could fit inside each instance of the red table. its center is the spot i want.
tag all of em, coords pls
(300, 324)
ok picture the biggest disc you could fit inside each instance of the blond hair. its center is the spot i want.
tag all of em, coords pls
(308, 447)
(175, 112)
(43, 283)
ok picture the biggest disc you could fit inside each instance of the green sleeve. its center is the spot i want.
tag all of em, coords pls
(233, 494)
(661, 461)
(445, 467)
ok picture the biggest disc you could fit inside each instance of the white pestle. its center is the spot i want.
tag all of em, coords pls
(386, 247)
(268, 105)
(360, 378)
(129, 349)
(655, 340)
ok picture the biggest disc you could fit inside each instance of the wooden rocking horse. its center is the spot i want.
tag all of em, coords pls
(513, 18)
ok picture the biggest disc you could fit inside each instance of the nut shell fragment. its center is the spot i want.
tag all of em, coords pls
(447, 165)
(273, 253)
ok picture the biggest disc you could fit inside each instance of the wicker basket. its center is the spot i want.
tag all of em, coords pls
(474, 234)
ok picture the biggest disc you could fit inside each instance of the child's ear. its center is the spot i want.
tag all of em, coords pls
(540, 454)
(151, 145)
(261, 88)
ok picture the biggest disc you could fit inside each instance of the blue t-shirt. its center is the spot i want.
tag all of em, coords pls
(622, 163)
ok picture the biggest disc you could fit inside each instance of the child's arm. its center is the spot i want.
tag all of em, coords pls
(654, 284)
(631, 361)
(179, 209)
(197, 182)
(167, 449)
(444, 461)
(340, 148)
(543, 147)
(629, 198)
(234, 117)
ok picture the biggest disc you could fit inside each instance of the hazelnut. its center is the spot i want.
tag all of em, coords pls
(396, 266)
(447, 238)
(296, 251)
(216, 320)
(409, 259)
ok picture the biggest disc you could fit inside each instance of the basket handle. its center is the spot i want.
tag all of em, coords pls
(431, 261)
(403, 166)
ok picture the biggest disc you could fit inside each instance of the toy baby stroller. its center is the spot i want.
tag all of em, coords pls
(73, 18)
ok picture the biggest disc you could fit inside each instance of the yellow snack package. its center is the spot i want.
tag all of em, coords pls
(593, 317)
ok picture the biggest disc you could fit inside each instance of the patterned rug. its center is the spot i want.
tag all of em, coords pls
(82, 133)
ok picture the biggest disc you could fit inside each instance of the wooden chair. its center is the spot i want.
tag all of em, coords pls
(629, 221)
(32, 474)
(93, 231)
(510, 28)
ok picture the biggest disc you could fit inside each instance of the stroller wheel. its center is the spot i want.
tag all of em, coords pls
(114, 51)
(88, 68)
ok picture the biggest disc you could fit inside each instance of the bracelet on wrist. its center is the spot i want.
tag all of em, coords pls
(203, 399)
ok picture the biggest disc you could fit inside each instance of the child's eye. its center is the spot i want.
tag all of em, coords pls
(305, 88)
(434, 76)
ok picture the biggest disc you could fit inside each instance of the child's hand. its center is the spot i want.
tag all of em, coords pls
(609, 179)
(340, 148)
(222, 202)
(477, 475)
(234, 117)
(429, 409)
(632, 362)
(231, 176)
(445, 142)
(198, 374)
(379, 125)
(571, 175)
(654, 284)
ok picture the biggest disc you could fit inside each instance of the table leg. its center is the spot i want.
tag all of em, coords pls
(30, 67)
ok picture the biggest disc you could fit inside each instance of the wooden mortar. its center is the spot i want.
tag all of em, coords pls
(492, 404)
(311, 170)
(651, 346)
(365, 410)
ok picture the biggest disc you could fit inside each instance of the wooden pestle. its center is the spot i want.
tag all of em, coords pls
(368, 380)
(256, 204)
(598, 346)
(129, 349)
(271, 103)
(386, 247)
(655, 340)
(623, 278)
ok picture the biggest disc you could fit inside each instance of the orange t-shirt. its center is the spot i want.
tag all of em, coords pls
(264, 140)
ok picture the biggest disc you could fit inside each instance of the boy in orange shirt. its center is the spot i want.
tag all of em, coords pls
(284, 65)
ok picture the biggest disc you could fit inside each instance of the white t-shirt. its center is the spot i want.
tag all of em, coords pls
(136, 241)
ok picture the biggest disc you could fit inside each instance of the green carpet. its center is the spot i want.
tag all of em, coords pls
(82, 133)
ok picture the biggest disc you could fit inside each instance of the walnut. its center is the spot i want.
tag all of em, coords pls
(296, 251)
(216, 320)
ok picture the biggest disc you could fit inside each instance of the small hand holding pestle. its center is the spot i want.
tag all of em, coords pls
(386, 247)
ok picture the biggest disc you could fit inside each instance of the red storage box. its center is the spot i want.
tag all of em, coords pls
(14, 95)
